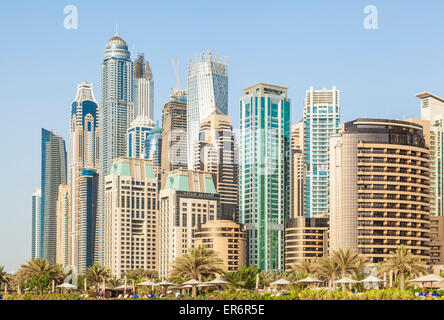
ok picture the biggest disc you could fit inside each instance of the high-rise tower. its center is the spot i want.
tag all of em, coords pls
(264, 172)
(215, 154)
(144, 107)
(53, 174)
(84, 155)
(35, 207)
(321, 120)
(207, 90)
(116, 113)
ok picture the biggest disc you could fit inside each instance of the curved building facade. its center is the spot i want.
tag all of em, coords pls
(380, 188)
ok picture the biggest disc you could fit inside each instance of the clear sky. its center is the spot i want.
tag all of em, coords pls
(296, 44)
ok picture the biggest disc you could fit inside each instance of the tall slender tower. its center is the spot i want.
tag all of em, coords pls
(215, 154)
(84, 147)
(432, 110)
(174, 136)
(53, 175)
(116, 113)
(35, 207)
(207, 90)
(321, 120)
(264, 172)
(144, 106)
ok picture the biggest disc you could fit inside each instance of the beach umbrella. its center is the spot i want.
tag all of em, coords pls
(193, 283)
(67, 286)
(345, 281)
(123, 287)
(372, 279)
(309, 280)
(281, 282)
(146, 283)
(218, 282)
(165, 284)
(428, 278)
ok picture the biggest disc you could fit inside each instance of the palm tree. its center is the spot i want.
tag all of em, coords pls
(114, 282)
(403, 262)
(328, 269)
(96, 274)
(348, 262)
(39, 273)
(306, 267)
(198, 263)
(3, 276)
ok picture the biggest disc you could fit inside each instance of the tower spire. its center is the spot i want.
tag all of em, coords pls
(117, 30)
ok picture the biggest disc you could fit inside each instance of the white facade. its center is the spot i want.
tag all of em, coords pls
(207, 90)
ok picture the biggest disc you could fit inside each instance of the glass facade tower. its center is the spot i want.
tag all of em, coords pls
(53, 174)
(116, 114)
(207, 90)
(264, 173)
(321, 120)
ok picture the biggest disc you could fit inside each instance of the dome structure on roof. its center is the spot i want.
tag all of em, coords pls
(117, 47)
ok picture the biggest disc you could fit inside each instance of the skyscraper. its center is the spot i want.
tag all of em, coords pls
(174, 136)
(131, 216)
(53, 174)
(144, 106)
(207, 90)
(188, 199)
(84, 155)
(35, 207)
(153, 151)
(264, 172)
(87, 220)
(432, 110)
(380, 189)
(297, 170)
(215, 154)
(116, 114)
(63, 226)
(321, 120)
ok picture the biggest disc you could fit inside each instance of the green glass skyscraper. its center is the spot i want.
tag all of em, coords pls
(264, 172)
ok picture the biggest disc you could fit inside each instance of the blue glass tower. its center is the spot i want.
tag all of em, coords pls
(264, 173)
(153, 150)
(53, 174)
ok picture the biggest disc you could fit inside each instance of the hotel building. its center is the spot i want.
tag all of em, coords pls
(305, 239)
(380, 189)
(188, 199)
(225, 237)
(130, 216)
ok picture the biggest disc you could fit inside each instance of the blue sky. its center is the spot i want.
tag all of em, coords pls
(296, 44)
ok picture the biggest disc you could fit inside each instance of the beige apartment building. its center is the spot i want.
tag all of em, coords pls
(130, 207)
(225, 237)
(188, 199)
(437, 240)
(297, 170)
(305, 239)
(63, 223)
(380, 188)
(215, 153)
